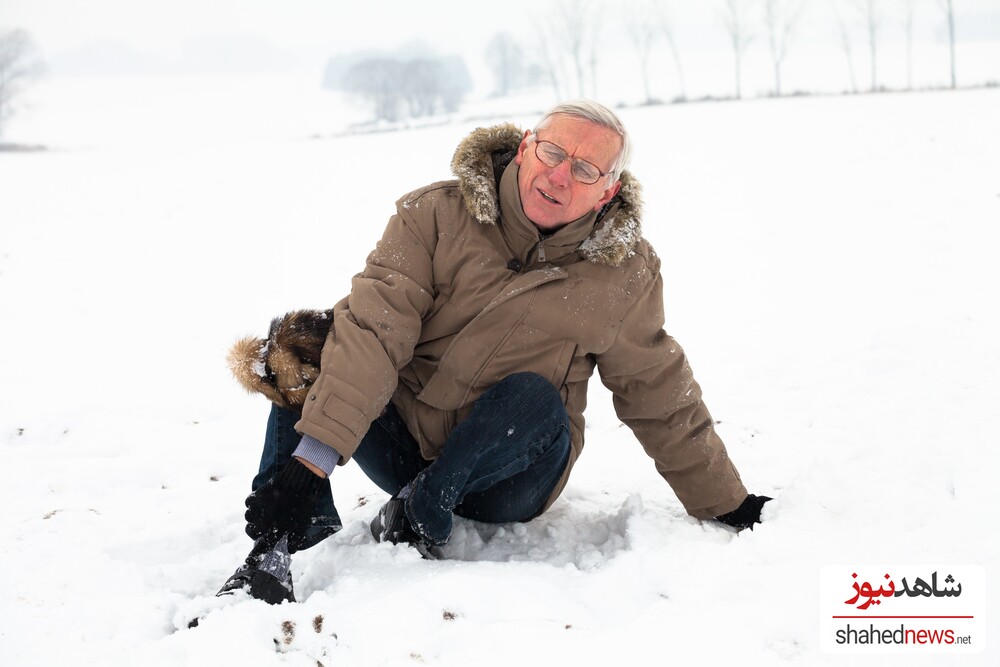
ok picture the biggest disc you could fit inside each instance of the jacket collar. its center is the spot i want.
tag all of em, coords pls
(479, 162)
(522, 234)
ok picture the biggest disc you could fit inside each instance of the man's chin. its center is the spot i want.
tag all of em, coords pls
(544, 220)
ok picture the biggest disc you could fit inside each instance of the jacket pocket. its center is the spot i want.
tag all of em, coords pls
(345, 414)
(563, 365)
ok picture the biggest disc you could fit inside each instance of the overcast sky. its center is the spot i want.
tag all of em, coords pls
(298, 30)
(303, 33)
(292, 40)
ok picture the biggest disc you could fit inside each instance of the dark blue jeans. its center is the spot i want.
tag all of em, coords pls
(499, 465)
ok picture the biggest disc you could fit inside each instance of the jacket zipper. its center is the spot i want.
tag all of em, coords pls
(541, 250)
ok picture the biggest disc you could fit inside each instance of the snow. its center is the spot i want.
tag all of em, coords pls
(830, 268)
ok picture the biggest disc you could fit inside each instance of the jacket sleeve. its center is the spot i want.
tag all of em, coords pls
(656, 396)
(374, 332)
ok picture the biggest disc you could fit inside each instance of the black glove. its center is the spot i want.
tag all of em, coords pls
(284, 505)
(746, 515)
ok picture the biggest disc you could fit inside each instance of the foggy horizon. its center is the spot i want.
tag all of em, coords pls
(108, 60)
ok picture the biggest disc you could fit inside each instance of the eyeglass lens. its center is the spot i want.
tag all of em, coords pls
(553, 156)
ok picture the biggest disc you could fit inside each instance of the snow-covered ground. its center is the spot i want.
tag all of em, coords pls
(831, 269)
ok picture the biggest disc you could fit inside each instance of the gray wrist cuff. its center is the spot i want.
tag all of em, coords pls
(322, 456)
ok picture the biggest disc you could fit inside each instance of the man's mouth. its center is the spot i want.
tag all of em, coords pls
(549, 197)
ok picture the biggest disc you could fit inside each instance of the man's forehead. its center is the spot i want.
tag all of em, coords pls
(573, 125)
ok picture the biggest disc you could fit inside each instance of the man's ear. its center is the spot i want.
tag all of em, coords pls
(522, 147)
(608, 195)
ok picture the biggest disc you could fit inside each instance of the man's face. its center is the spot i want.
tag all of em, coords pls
(550, 196)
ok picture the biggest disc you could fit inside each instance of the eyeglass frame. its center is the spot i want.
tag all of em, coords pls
(573, 161)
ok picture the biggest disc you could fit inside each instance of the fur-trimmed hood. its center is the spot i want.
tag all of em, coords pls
(285, 365)
(480, 160)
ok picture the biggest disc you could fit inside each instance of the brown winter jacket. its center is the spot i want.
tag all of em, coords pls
(461, 292)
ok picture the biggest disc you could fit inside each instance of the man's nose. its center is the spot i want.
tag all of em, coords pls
(562, 174)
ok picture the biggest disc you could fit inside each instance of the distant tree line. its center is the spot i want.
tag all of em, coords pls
(398, 87)
(20, 64)
(511, 67)
(566, 45)
(569, 39)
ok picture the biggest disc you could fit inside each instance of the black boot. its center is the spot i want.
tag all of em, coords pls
(392, 525)
(265, 575)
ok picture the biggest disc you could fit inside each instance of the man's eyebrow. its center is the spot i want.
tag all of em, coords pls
(538, 137)
(575, 157)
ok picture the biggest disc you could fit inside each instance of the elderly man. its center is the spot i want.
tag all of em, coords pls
(455, 372)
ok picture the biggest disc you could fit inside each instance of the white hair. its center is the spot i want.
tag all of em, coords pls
(598, 114)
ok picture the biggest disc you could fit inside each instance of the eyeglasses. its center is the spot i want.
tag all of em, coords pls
(553, 156)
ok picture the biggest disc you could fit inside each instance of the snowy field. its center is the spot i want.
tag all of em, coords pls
(831, 269)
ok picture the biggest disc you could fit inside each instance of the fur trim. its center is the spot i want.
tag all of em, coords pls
(473, 166)
(614, 238)
(284, 366)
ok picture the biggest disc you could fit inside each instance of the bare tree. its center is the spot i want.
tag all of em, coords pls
(946, 7)
(592, 44)
(872, 19)
(909, 19)
(780, 17)
(454, 82)
(420, 86)
(410, 88)
(570, 30)
(570, 27)
(846, 44)
(736, 18)
(506, 59)
(548, 58)
(379, 81)
(641, 27)
(666, 25)
(567, 40)
(19, 66)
